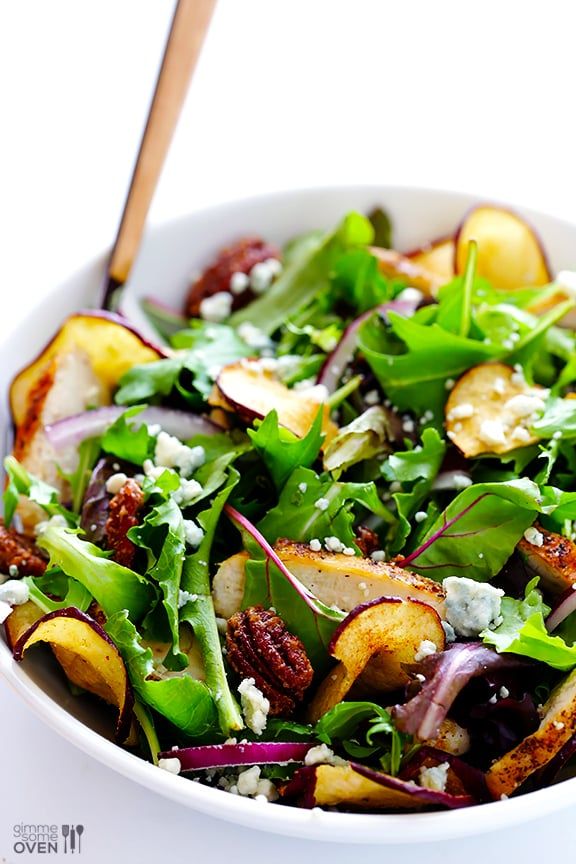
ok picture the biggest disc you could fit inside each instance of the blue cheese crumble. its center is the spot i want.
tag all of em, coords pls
(472, 607)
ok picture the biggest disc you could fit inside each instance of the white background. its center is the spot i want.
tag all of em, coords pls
(464, 95)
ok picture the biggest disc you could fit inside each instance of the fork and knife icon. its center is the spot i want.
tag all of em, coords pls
(71, 834)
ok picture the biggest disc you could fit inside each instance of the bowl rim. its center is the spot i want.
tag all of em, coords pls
(315, 824)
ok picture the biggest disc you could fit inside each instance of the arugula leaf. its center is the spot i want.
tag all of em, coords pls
(346, 719)
(358, 281)
(113, 586)
(20, 482)
(201, 615)
(183, 700)
(524, 632)
(416, 470)
(208, 348)
(298, 515)
(382, 224)
(128, 441)
(162, 536)
(478, 531)
(281, 450)
(305, 275)
(365, 437)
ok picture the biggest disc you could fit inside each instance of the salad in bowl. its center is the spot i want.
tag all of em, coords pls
(314, 544)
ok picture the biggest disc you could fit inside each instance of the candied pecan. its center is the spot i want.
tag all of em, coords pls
(239, 258)
(97, 613)
(259, 646)
(19, 551)
(123, 515)
(367, 540)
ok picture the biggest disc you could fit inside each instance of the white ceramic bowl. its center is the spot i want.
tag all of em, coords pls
(168, 257)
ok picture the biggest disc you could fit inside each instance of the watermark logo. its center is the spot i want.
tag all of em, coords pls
(44, 839)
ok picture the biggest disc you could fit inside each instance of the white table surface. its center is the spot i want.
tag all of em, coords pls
(472, 96)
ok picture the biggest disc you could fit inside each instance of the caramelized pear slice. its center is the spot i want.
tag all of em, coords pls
(391, 631)
(437, 257)
(361, 788)
(112, 347)
(19, 621)
(510, 254)
(251, 391)
(88, 656)
(490, 410)
(535, 751)
(394, 265)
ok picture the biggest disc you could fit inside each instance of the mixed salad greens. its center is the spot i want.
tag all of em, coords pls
(317, 543)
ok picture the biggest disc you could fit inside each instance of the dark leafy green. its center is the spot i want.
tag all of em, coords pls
(282, 451)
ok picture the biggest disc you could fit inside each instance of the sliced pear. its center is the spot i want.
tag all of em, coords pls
(510, 254)
(490, 410)
(251, 391)
(361, 788)
(336, 579)
(437, 257)
(88, 656)
(390, 628)
(395, 265)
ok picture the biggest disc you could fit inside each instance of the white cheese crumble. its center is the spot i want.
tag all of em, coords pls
(519, 433)
(449, 383)
(115, 483)
(491, 432)
(172, 765)
(188, 491)
(524, 405)
(378, 555)
(315, 545)
(471, 606)
(323, 755)
(12, 593)
(172, 453)
(193, 534)
(217, 307)
(451, 480)
(566, 279)
(250, 785)
(420, 516)
(255, 338)
(449, 631)
(410, 295)
(533, 536)
(499, 386)
(408, 424)
(425, 649)
(372, 397)
(333, 544)
(322, 504)
(504, 692)
(261, 276)
(435, 777)
(348, 550)
(186, 597)
(303, 487)
(255, 706)
(558, 725)
(239, 282)
(461, 412)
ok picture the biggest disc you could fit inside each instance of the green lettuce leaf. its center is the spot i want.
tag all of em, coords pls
(282, 451)
(199, 612)
(20, 482)
(183, 700)
(523, 631)
(57, 584)
(113, 586)
(129, 441)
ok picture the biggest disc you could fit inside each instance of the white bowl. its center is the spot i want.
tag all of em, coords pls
(169, 255)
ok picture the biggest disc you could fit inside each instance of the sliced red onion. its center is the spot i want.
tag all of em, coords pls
(447, 673)
(230, 755)
(336, 362)
(73, 430)
(564, 607)
(317, 607)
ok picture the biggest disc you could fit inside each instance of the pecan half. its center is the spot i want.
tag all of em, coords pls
(239, 258)
(123, 515)
(367, 540)
(259, 646)
(19, 551)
